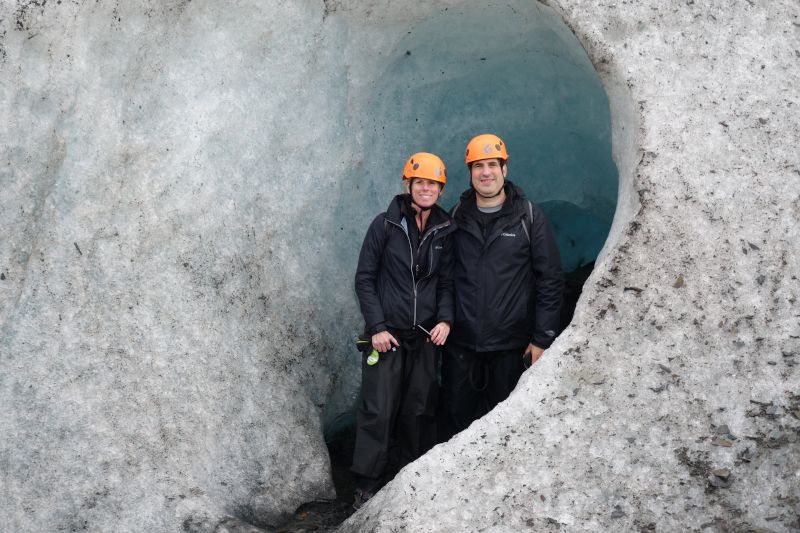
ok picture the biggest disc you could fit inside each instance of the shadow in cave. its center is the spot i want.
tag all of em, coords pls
(323, 516)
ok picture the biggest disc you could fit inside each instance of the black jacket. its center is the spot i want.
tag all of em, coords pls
(508, 286)
(391, 294)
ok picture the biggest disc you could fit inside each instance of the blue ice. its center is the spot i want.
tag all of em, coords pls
(515, 70)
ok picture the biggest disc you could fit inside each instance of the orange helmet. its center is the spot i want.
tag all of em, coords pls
(425, 165)
(486, 146)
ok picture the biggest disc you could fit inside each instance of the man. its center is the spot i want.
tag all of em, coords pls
(508, 289)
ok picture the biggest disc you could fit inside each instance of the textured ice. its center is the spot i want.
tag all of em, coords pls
(165, 354)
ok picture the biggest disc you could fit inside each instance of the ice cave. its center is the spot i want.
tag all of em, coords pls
(184, 188)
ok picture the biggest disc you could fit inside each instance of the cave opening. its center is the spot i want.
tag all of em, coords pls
(515, 70)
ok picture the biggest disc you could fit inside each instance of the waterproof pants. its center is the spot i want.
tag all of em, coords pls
(473, 383)
(398, 408)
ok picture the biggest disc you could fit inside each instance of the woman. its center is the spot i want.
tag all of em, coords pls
(404, 287)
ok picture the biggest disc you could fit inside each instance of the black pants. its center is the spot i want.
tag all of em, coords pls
(398, 408)
(473, 383)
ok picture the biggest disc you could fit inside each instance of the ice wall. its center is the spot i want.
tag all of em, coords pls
(165, 352)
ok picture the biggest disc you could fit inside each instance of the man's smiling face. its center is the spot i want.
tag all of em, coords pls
(488, 176)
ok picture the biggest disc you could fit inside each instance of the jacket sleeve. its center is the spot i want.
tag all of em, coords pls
(445, 311)
(366, 282)
(549, 280)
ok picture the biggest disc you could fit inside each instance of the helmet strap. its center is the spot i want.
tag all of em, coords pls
(471, 186)
(490, 196)
(415, 204)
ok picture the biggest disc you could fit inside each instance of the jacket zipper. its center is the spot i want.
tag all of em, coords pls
(481, 295)
(410, 268)
(415, 282)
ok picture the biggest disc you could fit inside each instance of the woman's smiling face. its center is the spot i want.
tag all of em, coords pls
(425, 192)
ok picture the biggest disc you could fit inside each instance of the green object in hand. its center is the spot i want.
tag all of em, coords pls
(372, 358)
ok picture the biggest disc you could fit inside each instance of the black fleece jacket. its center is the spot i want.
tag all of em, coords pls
(400, 286)
(508, 284)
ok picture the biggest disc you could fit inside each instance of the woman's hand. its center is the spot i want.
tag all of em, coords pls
(439, 333)
(383, 341)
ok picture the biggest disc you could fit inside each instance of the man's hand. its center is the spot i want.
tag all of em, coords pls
(383, 341)
(535, 352)
(439, 333)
